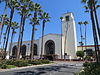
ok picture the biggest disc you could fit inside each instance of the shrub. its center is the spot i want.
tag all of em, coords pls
(9, 62)
(90, 69)
(2, 61)
(20, 63)
(30, 61)
(34, 62)
(10, 66)
(87, 58)
(86, 64)
(45, 61)
(37, 62)
(80, 53)
(4, 66)
(0, 64)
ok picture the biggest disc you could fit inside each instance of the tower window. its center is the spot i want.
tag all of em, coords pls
(67, 18)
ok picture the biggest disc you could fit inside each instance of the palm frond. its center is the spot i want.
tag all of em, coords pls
(83, 1)
(80, 23)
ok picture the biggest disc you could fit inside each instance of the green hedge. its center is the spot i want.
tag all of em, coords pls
(37, 62)
(3, 66)
(9, 62)
(20, 63)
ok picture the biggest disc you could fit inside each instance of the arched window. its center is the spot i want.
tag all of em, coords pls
(23, 51)
(14, 51)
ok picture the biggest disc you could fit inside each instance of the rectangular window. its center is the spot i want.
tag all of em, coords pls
(67, 18)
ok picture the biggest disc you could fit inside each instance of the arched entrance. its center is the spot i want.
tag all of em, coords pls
(14, 52)
(49, 49)
(35, 49)
(23, 51)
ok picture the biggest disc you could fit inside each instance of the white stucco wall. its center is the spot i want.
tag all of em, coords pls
(71, 42)
(28, 44)
(57, 40)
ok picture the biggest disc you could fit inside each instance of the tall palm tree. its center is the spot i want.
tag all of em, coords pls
(14, 26)
(81, 43)
(94, 6)
(12, 5)
(4, 38)
(94, 33)
(90, 8)
(3, 17)
(45, 17)
(2, 27)
(96, 17)
(5, 33)
(34, 21)
(6, 21)
(85, 24)
(24, 9)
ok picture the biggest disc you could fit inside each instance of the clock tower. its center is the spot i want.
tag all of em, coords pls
(69, 43)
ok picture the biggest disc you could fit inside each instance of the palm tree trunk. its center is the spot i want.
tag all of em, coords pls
(22, 30)
(98, 29)
(97, 25)
(94, 33)
(12, 36)
(2, 22)
(81, 37)
(11, 16)
(1, 33)
(42, 38)
(5, 37)
(32, 38)
(85, 38)
(32, 43)
(19, 38)
(96, 18)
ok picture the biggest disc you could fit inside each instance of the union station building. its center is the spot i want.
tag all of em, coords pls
(54, 45)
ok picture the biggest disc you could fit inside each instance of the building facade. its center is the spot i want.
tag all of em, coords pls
(88, 49)
(54, 45)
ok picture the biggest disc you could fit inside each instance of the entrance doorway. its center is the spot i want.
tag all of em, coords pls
(49, 49)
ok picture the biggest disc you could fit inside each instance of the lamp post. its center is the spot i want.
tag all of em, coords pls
(61, 36)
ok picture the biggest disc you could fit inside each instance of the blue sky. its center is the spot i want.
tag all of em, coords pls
(56, 8)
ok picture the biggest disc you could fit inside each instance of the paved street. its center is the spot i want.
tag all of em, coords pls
(59, 68)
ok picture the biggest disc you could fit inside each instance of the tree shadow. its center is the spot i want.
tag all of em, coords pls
(29, 73)
(44, 70)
